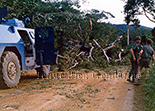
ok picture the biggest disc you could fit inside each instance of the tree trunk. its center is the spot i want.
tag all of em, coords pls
(127, 34)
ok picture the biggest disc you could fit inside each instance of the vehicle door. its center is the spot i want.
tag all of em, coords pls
(44, 45)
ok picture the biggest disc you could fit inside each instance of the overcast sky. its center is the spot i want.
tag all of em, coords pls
(116, 8)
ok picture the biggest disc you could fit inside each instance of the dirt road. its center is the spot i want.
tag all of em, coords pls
(69, 93)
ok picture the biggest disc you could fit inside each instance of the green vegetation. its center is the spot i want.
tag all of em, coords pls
(149, 91)
(145, 94)
(72, 25)
(133, 8)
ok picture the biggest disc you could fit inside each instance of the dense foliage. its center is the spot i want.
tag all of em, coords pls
(133, 8)
(148, 90)
(72, 24)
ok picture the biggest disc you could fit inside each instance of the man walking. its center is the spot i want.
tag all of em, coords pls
(135, 49)
(146, 54)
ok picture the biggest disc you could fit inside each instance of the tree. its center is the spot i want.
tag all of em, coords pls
(133, 8)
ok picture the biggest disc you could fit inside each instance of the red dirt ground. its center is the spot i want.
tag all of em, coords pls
(68, 94)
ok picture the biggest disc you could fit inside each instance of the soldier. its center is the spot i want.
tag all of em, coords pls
(135, 49)
(145, 55)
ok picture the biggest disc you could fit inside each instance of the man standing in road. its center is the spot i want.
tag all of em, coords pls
(135, 49)
(145, 55)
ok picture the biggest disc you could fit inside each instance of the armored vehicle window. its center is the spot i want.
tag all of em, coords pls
(27, 43)
(24, 35)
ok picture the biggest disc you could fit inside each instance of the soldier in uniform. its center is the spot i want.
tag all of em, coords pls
(135, 49)
(145, 55)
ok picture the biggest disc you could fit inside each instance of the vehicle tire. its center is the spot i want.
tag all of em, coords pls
(9, 70)
(43, 71)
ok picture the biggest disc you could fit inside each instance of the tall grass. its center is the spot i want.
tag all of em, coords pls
(149, 90)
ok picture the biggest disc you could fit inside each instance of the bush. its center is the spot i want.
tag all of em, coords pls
(149, 90)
